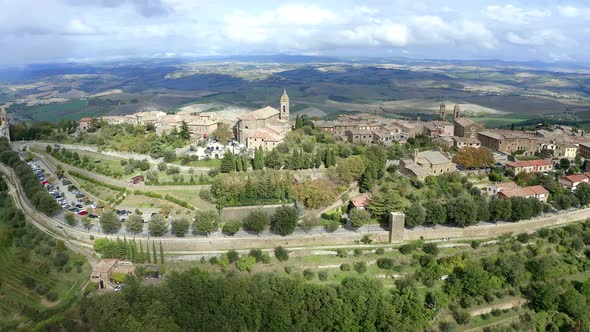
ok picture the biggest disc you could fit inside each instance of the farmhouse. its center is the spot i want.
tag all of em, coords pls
(537, 192)
(101, 273)
(530, 166)
(571, 182)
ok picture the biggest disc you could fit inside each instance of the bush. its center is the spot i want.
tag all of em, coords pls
(380, 251)
(51, 296)
(281, 254)
(407, 249)
(213, 260)
(345, 267)
(245, 263)
(360, 267)
(342, 253)
(308, 274)
(431, 248)
(284, 220)
(359, 217)
(231, 227)
(206, 195)
(496, 312)
(179, 227)
(358, 252)
(70, 218)
(475, 244)
(366, 239)
(386, 263)
(233, 256)
(323, 275)
(288, 269)
(461, 317)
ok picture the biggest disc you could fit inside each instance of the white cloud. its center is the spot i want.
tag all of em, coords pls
(77, 27)
(570, 11)
(385, 33)
(541, 38)
(515, 15)
(429, 29)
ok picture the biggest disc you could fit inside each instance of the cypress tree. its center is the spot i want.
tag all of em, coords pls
(141, 253)
(147, 252)
(161, 254)
(154, 251)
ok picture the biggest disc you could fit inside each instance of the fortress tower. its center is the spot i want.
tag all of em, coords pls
(456, 112)
(284, 112)
(4, 125)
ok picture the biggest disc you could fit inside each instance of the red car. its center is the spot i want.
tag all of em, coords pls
(44, 182)
(83, 213)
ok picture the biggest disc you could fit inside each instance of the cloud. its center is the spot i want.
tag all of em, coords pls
(515, 15)
(570, 11)
(146, 8)
(540, 38)
(385, 33)
(77, 27)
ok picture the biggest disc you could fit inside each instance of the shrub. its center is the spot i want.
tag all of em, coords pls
(245, 263)
(360, 267)
(496, 312)
(358, 252)
(260, 256)
(51, 296)
(70, 218)
(213, 260)
(407, 248)
(366, 239)
(431, 248)
(232, 226)
(475, 244)
(342, 253)
(233, 256)
(288, 269)
(345, 267)
(281, 254)
(323, 275)
(386, 263)
(380, 251)
(308, 274)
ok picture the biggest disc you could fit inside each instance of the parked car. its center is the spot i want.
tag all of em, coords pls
(83, 212)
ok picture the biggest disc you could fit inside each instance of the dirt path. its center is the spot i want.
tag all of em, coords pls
(500, 306)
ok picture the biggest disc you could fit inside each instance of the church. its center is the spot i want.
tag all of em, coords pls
(4, 125)
(266, 127)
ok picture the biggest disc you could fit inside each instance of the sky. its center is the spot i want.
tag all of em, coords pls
(36, 31)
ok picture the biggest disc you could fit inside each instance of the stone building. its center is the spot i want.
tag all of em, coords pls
(4, 124)
(427, 163)
(84, 124)
(360, 136)
(438, 129)
(466, 142)
(530, 166)
(509, 141)
(265, 127)
(584, 150)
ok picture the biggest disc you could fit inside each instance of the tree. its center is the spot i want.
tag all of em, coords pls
(228, 163)
(256, 221)
(134, 224)
(161, 254)
(564, 163)
(360, 267)
(384, 201)
(583, 193)
(474, 157)
(179, 227)
(435, 212)
(246, 263)
(460, 210)
(223, 132)
(415, 214)
(350, 169)
(206, 222)
(70, 218)
(284, 220)
(109, 222)
(184, 133)
(431, 248)
(359, 217)
(86, 222)
(281, 254)
(157, 226)
(154, 252)
(232, 226)
(500, 209)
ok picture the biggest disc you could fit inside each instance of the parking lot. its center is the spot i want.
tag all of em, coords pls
(65, 194)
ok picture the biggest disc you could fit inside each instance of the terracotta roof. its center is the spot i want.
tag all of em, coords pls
(262, 113)
(86, 119)
(360, 201)
(575, 178)
(466, 122)
(528, 163)
(525, 192)
(506, 186)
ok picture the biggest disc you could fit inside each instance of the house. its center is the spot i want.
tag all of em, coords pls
(509, 142)
(102, 272)
(571, 182)
(584, 149)
(427, 163)
(359, 136)
(537, 192)
(495, 189)
(438, 128)
(466, 142)
(360, 202)
(530, 166)
(84, 124)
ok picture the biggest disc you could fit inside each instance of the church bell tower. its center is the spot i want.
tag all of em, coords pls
(4, 125)
(284, 112)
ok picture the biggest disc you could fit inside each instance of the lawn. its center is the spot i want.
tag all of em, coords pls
(188, 195)
(102, 193)
(143, 202)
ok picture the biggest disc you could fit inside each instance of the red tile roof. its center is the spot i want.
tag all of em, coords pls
(525, 192)
(360, 201)
(86, 119)
(528, 163)
(574, 178)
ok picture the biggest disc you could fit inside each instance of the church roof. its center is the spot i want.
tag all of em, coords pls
(464, 122)
(284, 97)
(262, 113)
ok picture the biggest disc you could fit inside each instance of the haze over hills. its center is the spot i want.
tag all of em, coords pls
(328, 86)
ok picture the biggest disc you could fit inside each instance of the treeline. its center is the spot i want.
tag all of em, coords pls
(130, 250)
(30, 183)
(255, 188)
(40, 130)
(197, 301)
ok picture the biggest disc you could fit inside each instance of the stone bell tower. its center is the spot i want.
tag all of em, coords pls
(4, 125)
(284, 112)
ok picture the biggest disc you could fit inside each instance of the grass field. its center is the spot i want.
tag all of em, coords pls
(501, 120)
(143, 202)
(189, 195)
(17, 303)
(100, 192)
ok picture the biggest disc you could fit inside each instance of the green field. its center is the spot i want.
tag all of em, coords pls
(501, 121)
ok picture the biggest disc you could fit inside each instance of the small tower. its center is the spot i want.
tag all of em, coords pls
(284, 113)
(4, 125)
(456, 112)
(442, 111)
